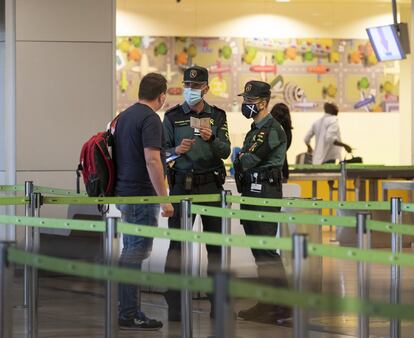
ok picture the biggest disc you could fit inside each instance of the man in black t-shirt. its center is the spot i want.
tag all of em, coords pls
(140, 172)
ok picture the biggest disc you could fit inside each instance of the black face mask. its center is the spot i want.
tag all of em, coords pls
(249, 110)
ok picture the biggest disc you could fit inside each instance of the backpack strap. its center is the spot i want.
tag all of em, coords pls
(112, 124)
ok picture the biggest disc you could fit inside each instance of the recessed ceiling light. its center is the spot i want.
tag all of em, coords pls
(282, 0)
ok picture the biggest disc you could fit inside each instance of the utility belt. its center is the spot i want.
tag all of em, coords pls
(265, 175)
(191, 179)
(269, 175)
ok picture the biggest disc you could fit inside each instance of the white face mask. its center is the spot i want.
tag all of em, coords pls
(192, 96)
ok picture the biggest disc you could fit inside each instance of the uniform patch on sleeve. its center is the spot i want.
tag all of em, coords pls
(182, 123)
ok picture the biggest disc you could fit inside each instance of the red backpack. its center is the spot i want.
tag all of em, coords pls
(97, 165)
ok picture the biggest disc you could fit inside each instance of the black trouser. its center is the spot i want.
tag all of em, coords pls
(211, 224)
(270, 268)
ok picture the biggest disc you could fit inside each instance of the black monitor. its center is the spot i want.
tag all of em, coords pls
(386, 42)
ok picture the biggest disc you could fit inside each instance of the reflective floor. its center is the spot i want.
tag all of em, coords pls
(71, 307)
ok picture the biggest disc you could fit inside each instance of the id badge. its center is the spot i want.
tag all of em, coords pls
(255, 187)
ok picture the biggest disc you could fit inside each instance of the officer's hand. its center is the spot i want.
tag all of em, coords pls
(167, 210)
(348, 148)
(185, 146)
(206, 133)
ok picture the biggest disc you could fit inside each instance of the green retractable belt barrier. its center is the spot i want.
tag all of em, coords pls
(238, 289)
(360, 166)
(56, 191)
(212, 238)
(318, 220)
(407, 207)
(18, 187)
(264, 216)
(132, 200)
(311, 204)
(257, 242)
(54, 223)
(12, 200)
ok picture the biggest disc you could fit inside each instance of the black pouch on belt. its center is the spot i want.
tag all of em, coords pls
(220, 176)
(188, 182)
(275, 176)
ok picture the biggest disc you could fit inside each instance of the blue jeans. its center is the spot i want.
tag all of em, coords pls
(135, 250)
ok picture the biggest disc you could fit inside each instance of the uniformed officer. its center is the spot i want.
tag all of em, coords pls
(258, 174)
(198, 167)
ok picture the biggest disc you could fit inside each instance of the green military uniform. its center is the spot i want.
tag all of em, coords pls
(203, 156)
(258, 174)
(198, 171)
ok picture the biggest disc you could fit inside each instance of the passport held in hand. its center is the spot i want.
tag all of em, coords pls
(197, 123)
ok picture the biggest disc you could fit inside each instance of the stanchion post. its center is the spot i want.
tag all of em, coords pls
(111, 250)
(33, 296)
(28, 211)
(186, 265)
(363, 271)
(342, 183)
(396, 246)
(6, 317)
(223, 309)
(225, 230)
(300, 254)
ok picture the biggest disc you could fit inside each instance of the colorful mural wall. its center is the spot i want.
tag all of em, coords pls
(303, 73)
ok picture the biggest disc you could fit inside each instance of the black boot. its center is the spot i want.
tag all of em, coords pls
(173, 300)
(257, 310)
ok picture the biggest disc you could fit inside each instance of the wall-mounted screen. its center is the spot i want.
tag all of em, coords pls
(386, 43)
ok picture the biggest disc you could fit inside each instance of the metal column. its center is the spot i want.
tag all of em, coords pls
(396, 245)
(6, 315)
(32, 318)
(300, 245)
(186, 265)
(342, 183)
(28, 211)
(111, 250)
(363, 272)
(225, 230)
(224, 319)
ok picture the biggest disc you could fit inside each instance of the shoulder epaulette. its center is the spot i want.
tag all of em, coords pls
(172, 109)
(219, 109)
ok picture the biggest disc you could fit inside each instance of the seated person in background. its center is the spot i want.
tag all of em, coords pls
(281, 113)
(327, 137)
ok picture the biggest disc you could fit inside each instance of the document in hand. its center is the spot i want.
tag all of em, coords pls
(197, 123)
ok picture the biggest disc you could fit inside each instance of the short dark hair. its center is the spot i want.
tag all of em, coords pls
(330, 108)
(152, 85)
(281, 113)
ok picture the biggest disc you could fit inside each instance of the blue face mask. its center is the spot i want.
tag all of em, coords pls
(249, 110)
(192, 96)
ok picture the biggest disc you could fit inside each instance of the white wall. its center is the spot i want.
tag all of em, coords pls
(249, 18)
(2, 119)
(361, 131)
(378, 138)
(64, 86)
